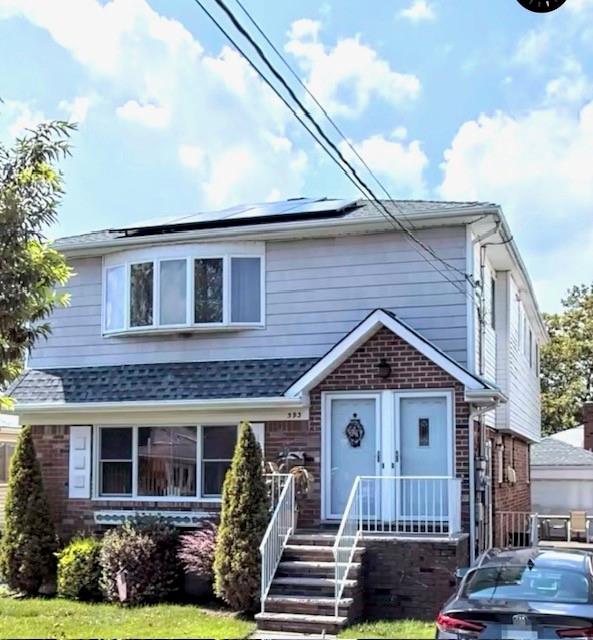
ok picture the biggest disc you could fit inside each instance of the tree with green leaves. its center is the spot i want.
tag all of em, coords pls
(243, 522)
(30, 270)
(567, 361)
(28, 545)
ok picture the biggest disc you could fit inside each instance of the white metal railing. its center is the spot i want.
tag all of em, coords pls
(395, 505)
(516, 529)
(275, 483)
(282, 524)
(347, 540)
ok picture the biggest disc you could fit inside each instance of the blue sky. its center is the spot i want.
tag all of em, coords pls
(458, 99)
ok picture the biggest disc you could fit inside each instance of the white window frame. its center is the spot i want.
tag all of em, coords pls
(134, 497)
(166, 254)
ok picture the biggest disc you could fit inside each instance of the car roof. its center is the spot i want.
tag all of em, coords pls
(571, 559)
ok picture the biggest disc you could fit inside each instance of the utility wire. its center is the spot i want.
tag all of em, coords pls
(322, 133)
(354, 179)
(322, 109)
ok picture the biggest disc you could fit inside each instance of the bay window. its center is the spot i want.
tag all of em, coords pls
(183, 291)
(163, 462)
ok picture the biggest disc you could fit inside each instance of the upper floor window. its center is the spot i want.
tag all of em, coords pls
(177, 292)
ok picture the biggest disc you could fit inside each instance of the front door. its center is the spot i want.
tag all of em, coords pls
(424, 447)
(387, 435)
(351, 448)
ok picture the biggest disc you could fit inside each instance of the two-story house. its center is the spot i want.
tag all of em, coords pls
(402, 360)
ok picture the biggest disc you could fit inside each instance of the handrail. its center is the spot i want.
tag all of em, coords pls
(350, 527)
(281, 526)
(394, 505)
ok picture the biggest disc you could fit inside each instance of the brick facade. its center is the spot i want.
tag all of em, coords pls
(510, 496)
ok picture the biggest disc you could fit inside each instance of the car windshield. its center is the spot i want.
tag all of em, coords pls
(525, 583)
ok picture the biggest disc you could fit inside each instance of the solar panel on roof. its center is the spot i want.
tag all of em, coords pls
(242, 213)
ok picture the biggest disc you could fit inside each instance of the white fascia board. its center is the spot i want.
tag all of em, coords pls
(157, 405)
(356, 338)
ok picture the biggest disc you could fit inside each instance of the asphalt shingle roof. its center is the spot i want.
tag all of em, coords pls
(556, 453)
(365, 210)
(166, 381)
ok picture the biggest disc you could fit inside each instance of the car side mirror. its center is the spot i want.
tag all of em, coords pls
(461, 573)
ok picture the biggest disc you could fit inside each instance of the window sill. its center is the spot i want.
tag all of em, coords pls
(181, 329)
(176, 518)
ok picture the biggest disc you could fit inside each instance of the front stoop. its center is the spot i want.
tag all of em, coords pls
(301, 597)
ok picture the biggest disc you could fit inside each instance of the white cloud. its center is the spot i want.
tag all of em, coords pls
(401, 164)
(418, 11)
(573, 86)
(538, 167)
(17, 116)
(77, 109)
(154, 72)
(191, 157)
(533, 47)
(346, 77)
(149, 115)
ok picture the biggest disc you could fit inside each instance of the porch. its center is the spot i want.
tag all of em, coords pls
(564, 530)
(395, 531)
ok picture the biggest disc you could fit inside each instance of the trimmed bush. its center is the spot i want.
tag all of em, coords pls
(196, 550)
(79, 570)
(28, 546)
(142, 557)
(243, 522)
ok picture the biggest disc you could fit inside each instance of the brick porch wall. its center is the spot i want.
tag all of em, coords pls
(71, 516)
(410, 578)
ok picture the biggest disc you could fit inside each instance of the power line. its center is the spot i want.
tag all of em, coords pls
(309, 117)
(364, 189)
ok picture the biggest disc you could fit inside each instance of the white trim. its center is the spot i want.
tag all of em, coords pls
(360, 335)
(189, 253)
(124, 407)
(95, 493)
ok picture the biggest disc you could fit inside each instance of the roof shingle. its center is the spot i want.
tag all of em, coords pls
(166, 381)
(551, 452)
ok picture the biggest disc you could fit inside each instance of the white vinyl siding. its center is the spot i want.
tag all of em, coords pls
(523, 388)
(316, 291)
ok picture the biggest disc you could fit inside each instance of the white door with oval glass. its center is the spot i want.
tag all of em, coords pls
(402, 440)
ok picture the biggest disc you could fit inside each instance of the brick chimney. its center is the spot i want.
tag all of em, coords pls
(588, 425)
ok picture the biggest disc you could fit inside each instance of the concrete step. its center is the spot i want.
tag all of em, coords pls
(315, 552)
(311, 586)
(311, 605)
(299, 622)
(318, 538)
(306, 568)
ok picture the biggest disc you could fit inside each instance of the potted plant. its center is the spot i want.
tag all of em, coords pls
(293, 462)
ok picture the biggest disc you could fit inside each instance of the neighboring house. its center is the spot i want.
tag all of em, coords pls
(561, 477)
(562, 469)
(8, 434)
(334, 335)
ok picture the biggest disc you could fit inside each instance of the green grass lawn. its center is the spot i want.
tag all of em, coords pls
(391, 629)
(44, 618)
